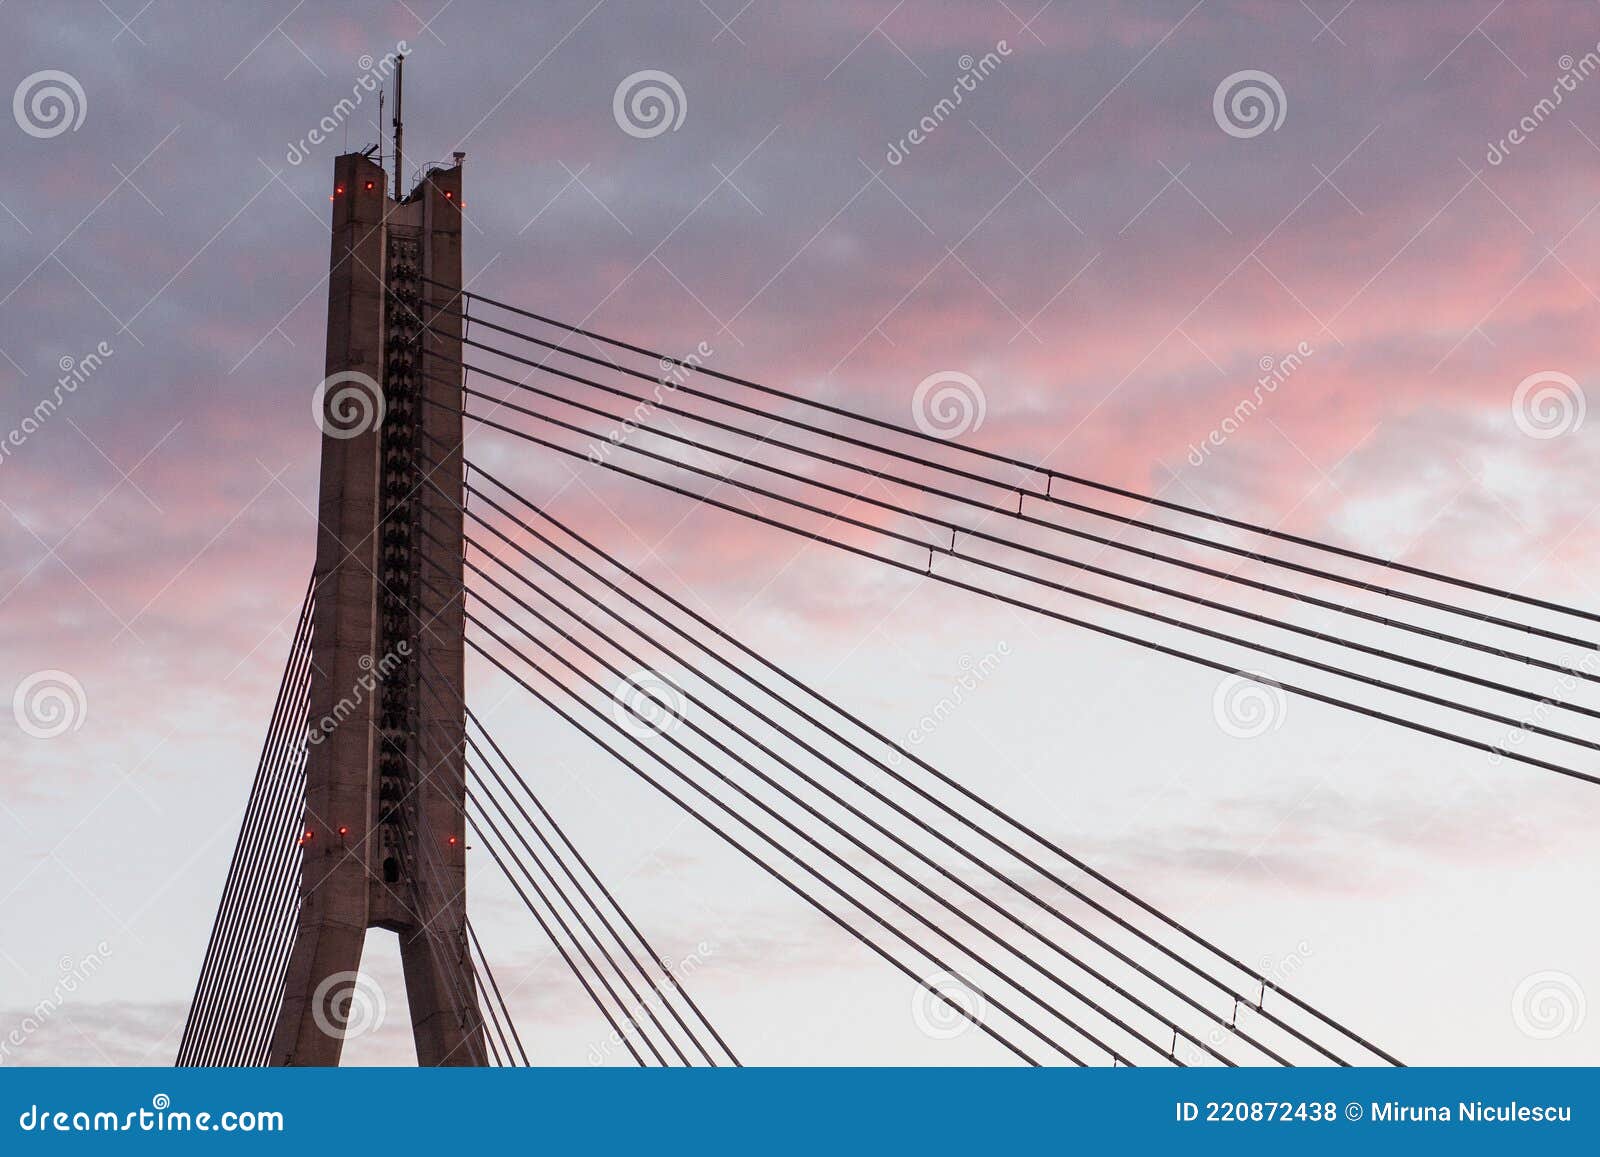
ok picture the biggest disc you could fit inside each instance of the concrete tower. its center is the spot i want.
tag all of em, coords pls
(383, 838)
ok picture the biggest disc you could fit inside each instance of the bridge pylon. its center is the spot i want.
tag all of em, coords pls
(383, 839)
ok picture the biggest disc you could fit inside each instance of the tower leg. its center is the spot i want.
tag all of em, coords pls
(440, 1036)
(332, 922)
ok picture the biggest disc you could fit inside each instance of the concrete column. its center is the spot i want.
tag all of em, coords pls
(438, 970)
(333, 914)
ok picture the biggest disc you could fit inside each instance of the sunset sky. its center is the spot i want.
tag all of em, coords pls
(1082, 237)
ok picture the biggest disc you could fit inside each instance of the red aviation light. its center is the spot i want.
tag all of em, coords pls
(344, 830)
(369, 184)
(305, 837)
(452, 841)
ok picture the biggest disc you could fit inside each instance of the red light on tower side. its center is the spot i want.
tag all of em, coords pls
(305, 837)
(369, 184)
(452, 841)
(343, 831)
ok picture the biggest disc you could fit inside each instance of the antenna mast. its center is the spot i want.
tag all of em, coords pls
(399, 125)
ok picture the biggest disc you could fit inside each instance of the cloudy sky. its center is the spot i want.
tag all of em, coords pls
(1105, 253)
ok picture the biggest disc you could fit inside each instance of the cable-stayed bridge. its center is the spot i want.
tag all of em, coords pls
(376, 773)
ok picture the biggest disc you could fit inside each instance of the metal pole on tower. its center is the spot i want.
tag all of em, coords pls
(399, 126)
